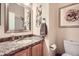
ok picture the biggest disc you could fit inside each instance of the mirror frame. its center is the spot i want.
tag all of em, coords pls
(6, 10)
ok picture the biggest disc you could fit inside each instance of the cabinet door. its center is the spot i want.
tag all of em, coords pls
(37, 50)
(40, 49)
(26, 52)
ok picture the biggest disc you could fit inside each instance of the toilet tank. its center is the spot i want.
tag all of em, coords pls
(71, 47)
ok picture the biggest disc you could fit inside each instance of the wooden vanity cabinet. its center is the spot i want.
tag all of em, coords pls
(37, 50)
(34, 50)
(26, 52)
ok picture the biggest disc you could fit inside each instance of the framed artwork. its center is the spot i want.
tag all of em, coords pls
(69, 16)
(38, 15)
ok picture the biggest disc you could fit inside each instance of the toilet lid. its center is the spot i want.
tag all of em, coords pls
(66, 54)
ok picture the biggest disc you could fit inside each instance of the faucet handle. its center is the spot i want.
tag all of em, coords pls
(13, 38)
(20, 37)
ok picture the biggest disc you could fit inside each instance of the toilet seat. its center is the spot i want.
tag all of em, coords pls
(66, 54)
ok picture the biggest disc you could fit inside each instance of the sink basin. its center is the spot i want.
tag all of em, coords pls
(23, 41)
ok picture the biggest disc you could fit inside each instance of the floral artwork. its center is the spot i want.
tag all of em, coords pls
(38, 15)
(72, 15)
(69, 16)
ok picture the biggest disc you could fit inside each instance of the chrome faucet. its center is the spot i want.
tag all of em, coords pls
(20, 37)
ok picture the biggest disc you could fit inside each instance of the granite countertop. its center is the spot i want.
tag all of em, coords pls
(8, 46)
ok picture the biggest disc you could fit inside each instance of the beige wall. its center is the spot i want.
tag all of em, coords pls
(61, 33)
(66, 33)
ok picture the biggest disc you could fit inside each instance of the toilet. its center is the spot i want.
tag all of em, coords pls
(71, 48)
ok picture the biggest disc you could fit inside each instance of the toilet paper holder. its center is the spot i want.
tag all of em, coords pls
(53, 47)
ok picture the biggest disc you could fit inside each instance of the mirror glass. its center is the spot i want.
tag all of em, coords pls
(18, 17)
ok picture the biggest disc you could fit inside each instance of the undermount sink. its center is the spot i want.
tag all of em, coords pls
(24, 41)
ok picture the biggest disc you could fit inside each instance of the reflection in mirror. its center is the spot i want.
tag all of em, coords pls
(18, 17)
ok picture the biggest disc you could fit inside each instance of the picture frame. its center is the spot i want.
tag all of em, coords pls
(69, 16)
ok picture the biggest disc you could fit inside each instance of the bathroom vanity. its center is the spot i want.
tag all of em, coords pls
(19, 24)
(29, 46)
(34, 50)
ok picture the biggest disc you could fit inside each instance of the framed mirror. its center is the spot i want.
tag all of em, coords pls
(18, 17)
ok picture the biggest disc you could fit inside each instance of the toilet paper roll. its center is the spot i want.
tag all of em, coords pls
(53, 47)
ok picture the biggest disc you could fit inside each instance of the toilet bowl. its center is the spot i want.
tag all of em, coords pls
(71, 48)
